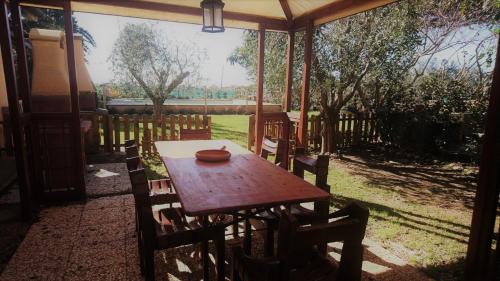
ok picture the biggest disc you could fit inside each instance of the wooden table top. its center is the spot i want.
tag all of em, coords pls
(243, 182)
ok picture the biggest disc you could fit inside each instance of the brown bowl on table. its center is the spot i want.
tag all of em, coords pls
(213, 155)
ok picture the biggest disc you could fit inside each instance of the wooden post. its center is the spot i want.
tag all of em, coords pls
(477, 262)
(259, 121)
(75, 106)
(22, 62)
(289, 71)
(251, 132)
(13, 100)
(306, 74)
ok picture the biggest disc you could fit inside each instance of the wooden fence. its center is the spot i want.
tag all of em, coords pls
(351, 130)
(113, 130)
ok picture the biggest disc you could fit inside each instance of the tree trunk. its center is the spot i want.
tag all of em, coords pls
(328, 134)
(158, 107)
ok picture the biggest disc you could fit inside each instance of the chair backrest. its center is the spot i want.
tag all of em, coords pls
(133, 163)
(296, 244)
(131, 151)
(318, 167)
(196, 134)
(142, 199)
(275, 148)
(129, 142)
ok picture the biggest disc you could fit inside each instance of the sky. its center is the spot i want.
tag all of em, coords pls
(105, 30)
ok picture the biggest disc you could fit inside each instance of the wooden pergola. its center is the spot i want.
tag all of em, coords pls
(274, 15)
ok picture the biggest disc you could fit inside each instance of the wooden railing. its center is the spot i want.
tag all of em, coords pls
(351, 130)
(110, 131)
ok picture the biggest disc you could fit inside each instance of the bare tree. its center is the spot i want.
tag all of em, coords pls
(143, 56)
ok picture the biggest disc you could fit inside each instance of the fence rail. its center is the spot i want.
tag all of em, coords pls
(111, 131)
(350, 130)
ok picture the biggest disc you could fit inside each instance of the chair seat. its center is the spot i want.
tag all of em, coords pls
(307, 161)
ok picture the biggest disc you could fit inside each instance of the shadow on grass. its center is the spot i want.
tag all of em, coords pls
(432, 226)
(425, 183)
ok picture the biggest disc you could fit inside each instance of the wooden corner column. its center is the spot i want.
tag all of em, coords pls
(306, 75)
(259, 120)
(478, 263)
(27, 203)
(289, 71)
(75, 107)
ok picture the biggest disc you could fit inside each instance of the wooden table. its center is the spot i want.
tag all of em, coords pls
(243, 182)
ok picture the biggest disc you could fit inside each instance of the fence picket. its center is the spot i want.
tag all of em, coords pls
(163, 127)
(172, 127)
(197, 121)
(126, 127)
(116, 127)
(188, 121)
(136, 130)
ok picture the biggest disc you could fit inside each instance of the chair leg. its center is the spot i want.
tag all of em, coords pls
(269, 241)
(221, 262)
(149, 263)
(247, 241)
(235, 227)
(140, 249)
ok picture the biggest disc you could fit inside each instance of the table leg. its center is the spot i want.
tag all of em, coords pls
(204, 252)
(220, 244)
(247, 240)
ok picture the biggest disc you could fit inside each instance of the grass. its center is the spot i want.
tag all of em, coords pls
(428, 236)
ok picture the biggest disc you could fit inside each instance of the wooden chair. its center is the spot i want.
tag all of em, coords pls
(298, 259)
(275, 148)
(195, 134)
(318, 167)
(168, 227)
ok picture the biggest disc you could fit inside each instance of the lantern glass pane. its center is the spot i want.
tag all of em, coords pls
(218, 17)
(208, 17)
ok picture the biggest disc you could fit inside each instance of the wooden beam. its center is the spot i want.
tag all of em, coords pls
(269, 23)
(289, 71)
(306, 75)
(477, 263)
(259, 120)
(75, 106)
(287, 11)
(22, 61)
(336, 10)
(23, 174)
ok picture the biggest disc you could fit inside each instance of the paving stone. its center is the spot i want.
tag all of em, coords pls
(84, 257)
(94, 234)
(102, 216)
(104, 202)
(115, 272)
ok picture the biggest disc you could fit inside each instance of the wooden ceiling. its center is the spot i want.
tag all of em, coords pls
(280, 15)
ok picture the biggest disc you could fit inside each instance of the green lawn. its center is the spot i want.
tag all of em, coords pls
(428, 236)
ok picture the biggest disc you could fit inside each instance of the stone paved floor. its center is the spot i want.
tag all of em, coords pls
(108, 179)
(95, 240)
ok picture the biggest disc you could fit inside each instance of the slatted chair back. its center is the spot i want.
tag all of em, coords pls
(296, 244)
(133, 163)
(132, 151)
(196, 134)
(318, 167)
(129, 142)
(275, 148)
(141, 193)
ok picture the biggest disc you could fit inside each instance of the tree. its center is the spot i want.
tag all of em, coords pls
(53, 19)
(143, 56)
(274, 62)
